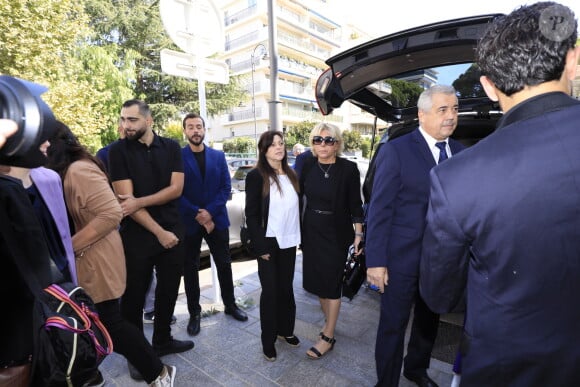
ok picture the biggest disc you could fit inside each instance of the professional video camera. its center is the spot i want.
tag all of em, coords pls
(20, 101)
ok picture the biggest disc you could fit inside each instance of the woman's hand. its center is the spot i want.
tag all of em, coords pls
(265, 257)
(357, 248)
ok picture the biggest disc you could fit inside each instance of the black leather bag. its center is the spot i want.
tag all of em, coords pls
(355, 273)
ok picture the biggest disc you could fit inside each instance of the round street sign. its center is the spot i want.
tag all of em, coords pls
(195, 26)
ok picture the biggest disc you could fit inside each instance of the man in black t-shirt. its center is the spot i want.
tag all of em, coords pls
(147, 175)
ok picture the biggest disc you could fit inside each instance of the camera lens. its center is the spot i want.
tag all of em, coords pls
(20, 101)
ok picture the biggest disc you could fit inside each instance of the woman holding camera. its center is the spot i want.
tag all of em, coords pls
(272, 217)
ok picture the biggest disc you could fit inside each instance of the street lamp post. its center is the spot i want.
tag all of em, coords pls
(253, 60)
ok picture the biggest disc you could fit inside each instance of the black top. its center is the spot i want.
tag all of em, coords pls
(200, 159)
(150, 169)
(21, 237)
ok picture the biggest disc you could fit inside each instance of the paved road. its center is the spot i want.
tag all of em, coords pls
(228, 352)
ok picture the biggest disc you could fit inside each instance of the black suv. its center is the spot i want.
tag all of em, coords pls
(385, 77)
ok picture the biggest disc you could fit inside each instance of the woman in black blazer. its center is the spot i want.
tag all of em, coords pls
(272, 217)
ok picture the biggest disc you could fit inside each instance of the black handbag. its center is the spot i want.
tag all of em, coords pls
(69, 340)
(355, 273)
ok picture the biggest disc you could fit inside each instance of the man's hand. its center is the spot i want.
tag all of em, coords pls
(167, 239)
(265, 257)
(209, 226)
(203, 216)
(378, 276)
(129, 204)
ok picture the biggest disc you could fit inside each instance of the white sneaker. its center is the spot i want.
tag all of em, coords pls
(167, 379)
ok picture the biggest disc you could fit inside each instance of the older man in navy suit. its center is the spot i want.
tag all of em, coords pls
(513, 202)
(203, 210)
(396, 222)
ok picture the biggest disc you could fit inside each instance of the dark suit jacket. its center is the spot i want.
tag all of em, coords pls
(513, 200)
(300, 159)
(396, 215)
(211, 193)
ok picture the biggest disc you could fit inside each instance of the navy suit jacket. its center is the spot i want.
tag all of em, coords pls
(396, 214)
(211, 193)
(513, 201)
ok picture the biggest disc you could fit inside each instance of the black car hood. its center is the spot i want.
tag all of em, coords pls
(353, 71)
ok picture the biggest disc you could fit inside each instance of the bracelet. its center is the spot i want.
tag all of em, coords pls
(359, 234)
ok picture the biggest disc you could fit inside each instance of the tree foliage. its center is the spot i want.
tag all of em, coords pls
(239, 145)
(468, 85)
(404, 93)
(299, 133)
(95, 54)
(135, 27)
(352, 140)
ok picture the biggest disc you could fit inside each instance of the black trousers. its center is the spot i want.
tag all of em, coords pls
(219, 247)
(277, 304)
(396, 304)
(168, 267)
(129, 341)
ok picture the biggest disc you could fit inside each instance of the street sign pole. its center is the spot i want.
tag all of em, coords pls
(195, 26)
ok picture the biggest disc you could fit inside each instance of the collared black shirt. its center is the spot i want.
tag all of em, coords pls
(150, 169)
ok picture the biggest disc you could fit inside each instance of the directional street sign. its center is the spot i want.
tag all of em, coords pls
(188, 66)
(195, 26)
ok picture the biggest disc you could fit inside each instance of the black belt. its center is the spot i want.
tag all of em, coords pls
(321, 212)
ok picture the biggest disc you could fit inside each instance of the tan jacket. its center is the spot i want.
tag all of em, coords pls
(91, 202)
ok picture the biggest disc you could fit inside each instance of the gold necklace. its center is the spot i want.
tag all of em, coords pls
(326, 175)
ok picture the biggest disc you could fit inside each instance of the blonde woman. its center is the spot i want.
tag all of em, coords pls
(333, 216)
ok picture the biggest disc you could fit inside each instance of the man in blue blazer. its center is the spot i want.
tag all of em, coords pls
(396, 221)
(513, 202)
(203, 210)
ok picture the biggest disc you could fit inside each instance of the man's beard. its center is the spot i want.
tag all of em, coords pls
(136, 136)
(196, 143)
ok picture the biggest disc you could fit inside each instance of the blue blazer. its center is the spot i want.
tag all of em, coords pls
(211, 193)
(400, 195)
(512, 201)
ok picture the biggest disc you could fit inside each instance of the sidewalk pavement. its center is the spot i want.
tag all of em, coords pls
(229, 353)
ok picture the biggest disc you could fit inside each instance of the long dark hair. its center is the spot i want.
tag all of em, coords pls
(65, 149)
(267, 172)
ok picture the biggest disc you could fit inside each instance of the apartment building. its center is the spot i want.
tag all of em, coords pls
(306, 38)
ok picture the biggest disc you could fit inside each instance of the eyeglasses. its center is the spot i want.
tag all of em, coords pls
(318, 140)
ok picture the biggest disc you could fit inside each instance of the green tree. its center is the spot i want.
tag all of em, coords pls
(352, 140)
(468, 85)
(239, 145)
(136, 26)
(403, 93)
(40, 42)
(299, 133)
(366, 147)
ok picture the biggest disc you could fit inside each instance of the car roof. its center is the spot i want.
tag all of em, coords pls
(353, 73)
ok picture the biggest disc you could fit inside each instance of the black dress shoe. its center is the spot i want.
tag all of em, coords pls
(236, 313)
(421, 380)
(194, 325)
(270, 354)
(172, 346)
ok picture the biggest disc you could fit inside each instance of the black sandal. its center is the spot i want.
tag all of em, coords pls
(329, 340)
